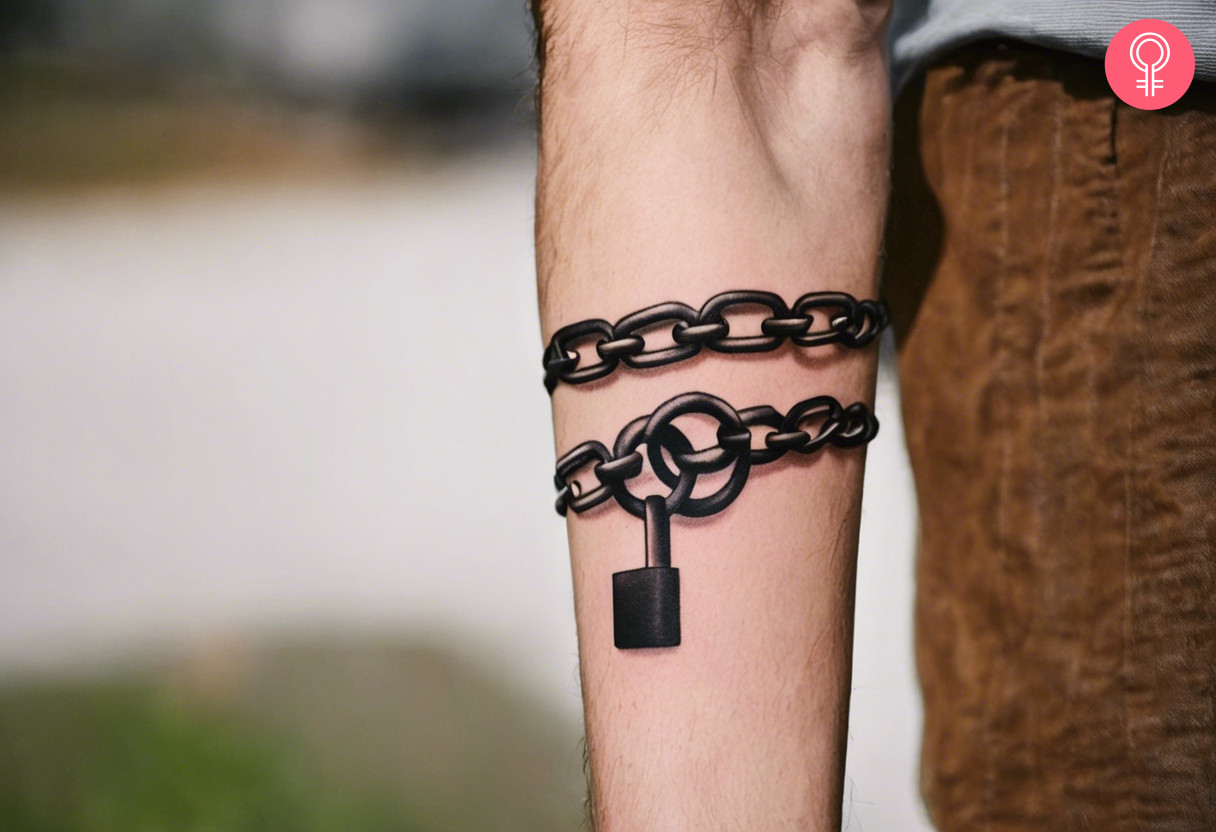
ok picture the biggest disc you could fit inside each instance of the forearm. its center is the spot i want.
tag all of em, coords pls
(690, 148)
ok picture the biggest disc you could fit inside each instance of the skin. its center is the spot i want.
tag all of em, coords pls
(687, 148)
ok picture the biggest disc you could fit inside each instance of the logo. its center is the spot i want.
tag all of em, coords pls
(1150, 64)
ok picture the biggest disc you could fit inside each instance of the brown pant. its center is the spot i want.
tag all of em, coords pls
(1052, 273)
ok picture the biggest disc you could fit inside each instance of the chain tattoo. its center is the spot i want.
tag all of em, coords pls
(646, 602)
(854, 324)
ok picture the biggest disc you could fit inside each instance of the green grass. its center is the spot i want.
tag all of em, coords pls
(294, 738)
(128, 758)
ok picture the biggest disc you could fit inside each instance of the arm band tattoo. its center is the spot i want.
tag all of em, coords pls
(853, 323)
(646, 602)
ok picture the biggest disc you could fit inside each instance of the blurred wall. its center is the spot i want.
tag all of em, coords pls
(270, 378)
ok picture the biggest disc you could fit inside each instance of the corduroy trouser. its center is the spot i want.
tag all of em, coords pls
(1051, 267)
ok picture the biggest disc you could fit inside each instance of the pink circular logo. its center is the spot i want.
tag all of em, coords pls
(1150, 64)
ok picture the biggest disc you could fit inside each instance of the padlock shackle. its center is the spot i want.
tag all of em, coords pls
(658, 532)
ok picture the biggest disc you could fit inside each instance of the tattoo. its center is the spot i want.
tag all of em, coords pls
(646, 601)
(853, 324)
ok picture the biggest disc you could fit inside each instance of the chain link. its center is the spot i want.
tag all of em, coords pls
(805, 428)
(847, 321)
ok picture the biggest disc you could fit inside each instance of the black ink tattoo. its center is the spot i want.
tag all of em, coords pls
(853, 324)
(646, 601)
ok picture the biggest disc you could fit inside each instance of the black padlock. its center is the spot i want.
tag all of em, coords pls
(646, 602)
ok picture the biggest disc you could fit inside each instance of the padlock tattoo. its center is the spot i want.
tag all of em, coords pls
(646, 601)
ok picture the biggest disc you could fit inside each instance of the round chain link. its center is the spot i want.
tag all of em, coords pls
(678, 464)
(815, 319)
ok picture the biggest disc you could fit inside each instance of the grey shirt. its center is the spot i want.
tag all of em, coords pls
(922, 30)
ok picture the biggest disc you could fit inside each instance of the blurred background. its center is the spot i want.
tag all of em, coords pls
(262, 562)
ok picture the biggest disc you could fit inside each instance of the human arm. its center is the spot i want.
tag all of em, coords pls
(687, 148)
